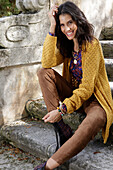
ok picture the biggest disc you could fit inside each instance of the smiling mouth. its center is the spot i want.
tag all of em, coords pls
(70, 33)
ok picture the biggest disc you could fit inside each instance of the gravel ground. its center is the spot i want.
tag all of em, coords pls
(12, 158)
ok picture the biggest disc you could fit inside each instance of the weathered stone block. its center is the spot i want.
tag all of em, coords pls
(106, 34)
(33, 142)
(21, 40)
(109, 68)
(17, 86)
(20, 56)
(31, 5)
(98, 13)
(107, 47)
(24, 30)
(111, 85)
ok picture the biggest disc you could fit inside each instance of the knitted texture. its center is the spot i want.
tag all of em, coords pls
(94, 78)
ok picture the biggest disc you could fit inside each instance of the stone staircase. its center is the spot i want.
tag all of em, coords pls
(106, 40)
(39, 139)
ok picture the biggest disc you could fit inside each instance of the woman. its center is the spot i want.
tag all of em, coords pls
(84, 85)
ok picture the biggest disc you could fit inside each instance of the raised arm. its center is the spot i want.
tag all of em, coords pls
(51, 55)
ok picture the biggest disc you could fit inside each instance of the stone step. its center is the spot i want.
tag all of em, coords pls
(107, 46)
(39, 139)
(109, 68)
(107, 34)
(111, 85)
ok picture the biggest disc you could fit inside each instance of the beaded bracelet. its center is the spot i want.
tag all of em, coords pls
(60, 111)
(63, 108)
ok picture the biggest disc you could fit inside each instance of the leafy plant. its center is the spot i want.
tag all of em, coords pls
(8, 7)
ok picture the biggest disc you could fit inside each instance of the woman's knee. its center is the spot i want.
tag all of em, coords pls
(40, 72)
(97, 114)
(99, 120)
(102, 118)
(43, 72)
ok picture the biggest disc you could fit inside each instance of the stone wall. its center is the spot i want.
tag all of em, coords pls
(21, 41)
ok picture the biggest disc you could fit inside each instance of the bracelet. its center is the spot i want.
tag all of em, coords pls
(52, 34)
(60, 111)
(63, 108)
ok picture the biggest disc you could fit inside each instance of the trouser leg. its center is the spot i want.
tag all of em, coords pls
(54, 89)
(94, 121)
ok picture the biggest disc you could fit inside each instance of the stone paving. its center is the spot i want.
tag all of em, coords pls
(39, 139)
(12, 158)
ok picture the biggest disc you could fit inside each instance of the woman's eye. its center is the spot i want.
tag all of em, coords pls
(61, 25)
(70, 22)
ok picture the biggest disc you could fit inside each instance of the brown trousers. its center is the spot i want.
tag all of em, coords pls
(55, 88)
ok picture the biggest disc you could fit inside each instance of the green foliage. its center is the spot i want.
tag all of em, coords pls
(8, 7)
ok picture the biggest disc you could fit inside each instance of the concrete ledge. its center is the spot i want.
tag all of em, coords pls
(38, 138)
(20, 56)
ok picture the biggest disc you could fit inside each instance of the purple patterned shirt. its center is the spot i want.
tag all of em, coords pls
(76, 68)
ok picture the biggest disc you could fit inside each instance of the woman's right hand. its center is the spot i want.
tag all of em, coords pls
(51, 15)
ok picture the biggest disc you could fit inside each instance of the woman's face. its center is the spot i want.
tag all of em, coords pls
(68, 26)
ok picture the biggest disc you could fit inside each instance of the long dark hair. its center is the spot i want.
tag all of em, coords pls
(84, 32)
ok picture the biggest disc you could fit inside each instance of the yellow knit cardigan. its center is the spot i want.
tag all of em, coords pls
(94, 77)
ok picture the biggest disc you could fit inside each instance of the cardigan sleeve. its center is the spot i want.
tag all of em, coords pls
(91, 62)
(51, 55)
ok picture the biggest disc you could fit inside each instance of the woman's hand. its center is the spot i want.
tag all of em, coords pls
(51, 15)
(52, 117)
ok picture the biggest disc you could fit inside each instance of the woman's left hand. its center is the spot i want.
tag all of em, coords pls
(52, 117)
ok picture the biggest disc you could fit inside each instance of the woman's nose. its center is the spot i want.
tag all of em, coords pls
(67, 28)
